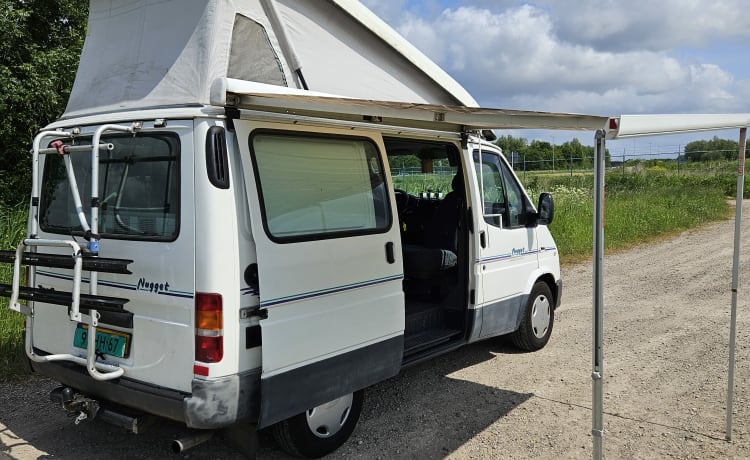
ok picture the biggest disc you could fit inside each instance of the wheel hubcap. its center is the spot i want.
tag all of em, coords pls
(327, 419)
(541, 313)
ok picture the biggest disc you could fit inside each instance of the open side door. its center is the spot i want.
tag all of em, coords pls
(329, 264)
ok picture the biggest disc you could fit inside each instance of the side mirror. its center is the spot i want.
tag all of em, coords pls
(546, 209)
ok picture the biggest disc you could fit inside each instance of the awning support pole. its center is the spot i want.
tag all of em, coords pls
(597, 374)
(735, 277)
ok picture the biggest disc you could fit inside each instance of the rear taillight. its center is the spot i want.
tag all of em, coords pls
(209, 328)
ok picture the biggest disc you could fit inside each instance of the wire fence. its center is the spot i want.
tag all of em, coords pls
(668, 163)
(675, 162)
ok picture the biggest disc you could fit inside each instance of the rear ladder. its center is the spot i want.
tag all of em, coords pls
(95, 307)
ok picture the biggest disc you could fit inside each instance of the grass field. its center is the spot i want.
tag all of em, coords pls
(639, 207)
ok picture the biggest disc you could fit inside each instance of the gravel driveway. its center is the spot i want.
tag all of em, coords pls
(666, 334)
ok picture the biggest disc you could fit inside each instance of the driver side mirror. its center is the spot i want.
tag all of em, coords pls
(546, 208)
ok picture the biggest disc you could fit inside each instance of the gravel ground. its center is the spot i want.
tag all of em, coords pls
(666, 340)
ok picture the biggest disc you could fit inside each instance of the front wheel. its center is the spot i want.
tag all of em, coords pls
(322, 429)
(538, 319)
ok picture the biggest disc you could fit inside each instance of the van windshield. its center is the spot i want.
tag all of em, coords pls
(138, 188)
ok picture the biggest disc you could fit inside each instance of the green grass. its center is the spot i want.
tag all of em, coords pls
(638, 208)
(415, 184)
(12, 231)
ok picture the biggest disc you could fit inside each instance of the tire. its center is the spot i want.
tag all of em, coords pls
(322, 429)
(538, 319)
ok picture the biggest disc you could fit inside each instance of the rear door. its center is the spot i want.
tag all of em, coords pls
(329, 263)
(145, 215)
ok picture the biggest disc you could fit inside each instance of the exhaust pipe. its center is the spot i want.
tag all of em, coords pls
(190, 440)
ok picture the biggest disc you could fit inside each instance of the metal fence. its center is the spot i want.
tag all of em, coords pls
(667, 162)
(663, 162)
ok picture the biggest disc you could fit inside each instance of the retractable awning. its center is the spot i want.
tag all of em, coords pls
(250, 95)
(628, 126)
(253, 96)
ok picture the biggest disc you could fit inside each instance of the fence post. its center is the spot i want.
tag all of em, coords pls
(553, 154)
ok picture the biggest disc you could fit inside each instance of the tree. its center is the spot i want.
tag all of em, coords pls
(40, 45)
(511, 144)
(712, 150)
(538, 155)
(574, 152)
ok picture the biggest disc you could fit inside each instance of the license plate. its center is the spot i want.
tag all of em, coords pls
(108, 342)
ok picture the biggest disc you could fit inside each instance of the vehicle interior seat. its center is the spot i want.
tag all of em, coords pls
(443, 229)
(438, 254)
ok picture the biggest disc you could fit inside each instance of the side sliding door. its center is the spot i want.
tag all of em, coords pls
(329, 265)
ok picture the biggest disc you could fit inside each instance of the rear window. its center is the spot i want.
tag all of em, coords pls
(138, 189)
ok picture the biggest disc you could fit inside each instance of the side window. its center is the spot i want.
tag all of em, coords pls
(251, 55)
(492, 192)
(516, 202)
(504, 202)
(315, 187)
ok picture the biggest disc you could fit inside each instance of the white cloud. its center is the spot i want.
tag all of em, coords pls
(515, 58)
(585, 56)
(613, 25)
(646, 24)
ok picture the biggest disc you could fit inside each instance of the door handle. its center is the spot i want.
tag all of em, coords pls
(390, 256)
(483, 239)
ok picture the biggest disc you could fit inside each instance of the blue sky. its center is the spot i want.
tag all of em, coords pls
(600, 57)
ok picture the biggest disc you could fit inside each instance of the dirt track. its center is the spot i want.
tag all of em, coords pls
(666, 335)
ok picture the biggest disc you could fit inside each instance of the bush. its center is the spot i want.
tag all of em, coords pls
(12, 231)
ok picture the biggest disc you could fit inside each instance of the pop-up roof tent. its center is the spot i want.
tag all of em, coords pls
(147, 53)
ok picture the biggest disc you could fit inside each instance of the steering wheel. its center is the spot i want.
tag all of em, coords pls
(403, 200)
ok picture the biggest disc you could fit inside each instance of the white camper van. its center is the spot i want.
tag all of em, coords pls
(218, 245)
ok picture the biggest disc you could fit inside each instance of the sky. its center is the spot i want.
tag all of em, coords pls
(600, 57)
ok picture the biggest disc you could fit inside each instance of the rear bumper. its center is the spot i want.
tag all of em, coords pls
(214, 403)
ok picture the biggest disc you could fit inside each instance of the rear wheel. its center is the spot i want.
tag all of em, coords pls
(322, 429)
(538, 319)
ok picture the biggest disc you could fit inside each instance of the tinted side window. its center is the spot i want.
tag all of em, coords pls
(316, 187)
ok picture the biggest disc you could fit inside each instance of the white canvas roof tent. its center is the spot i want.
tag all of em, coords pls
(156, 53)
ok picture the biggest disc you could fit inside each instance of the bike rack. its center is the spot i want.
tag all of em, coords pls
(26, 254)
